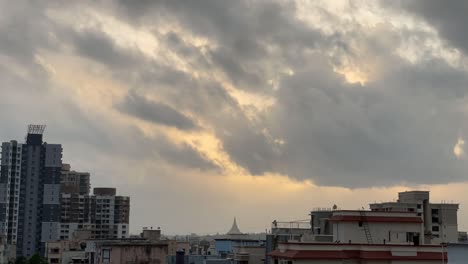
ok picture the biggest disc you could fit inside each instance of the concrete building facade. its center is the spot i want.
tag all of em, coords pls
(30, 192)
(74, 201)
(74, 182)
(105, 214)
(332, 253)
(109, 214)
(366, 227)
(127, 251)
(440, 219)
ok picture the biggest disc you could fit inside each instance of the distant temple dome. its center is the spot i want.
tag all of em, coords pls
(234, 229)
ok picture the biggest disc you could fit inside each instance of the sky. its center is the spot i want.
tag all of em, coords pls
(202, 111)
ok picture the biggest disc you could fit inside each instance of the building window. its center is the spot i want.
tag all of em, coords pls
(106, 255)
(435, 228)
(419, 206)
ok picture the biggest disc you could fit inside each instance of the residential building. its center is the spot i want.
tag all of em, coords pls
(65, 252)
(199, 259)
(104, 214)
(328, 226)
(367, 227)
(74, 214)
(7, 251)
(440, 219)
(30, 192)
(124, 251)
(109, 214)
(249, 254)
(282, 232)
(305, 253)
(394, 232)
(74, 201)
(83, 249)
(74, 182)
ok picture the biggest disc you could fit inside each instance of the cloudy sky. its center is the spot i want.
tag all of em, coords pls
(205, 110)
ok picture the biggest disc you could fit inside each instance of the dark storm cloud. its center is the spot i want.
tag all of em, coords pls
(183, 156)
(99, 47)
(26, 29)
(396, 130)
(156, 112)
(21, 37)
(123, 142)
(242, 28)
(398, 127)
(400, 134)
(448, 17)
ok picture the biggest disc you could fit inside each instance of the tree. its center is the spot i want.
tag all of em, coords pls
(21, 260)
(36, 259)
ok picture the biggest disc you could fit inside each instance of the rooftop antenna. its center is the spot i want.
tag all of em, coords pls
(36, 129)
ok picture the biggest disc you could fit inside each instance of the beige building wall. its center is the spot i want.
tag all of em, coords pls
(394, 250)
(392, 233)
(384, 227)
(135, 254)
(444, 219)
(254, 254)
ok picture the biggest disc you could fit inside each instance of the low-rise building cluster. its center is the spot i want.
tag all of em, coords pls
(410, 230)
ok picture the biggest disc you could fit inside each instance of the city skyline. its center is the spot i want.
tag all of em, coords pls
(209, 110)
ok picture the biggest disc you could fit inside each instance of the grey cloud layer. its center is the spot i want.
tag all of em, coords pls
(448, 17)
(156, 112)
(399, 127)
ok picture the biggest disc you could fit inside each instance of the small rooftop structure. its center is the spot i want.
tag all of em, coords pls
(104, 191)
(36, 129)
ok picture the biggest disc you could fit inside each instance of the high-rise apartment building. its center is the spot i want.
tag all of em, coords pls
(104, 214)
(74, 201)
(43, 200)
(30, 192)
(109, 214)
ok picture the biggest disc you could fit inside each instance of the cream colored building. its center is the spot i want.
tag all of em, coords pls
(410, 230)
(323, 253)
(249, 254)
(127, 251)
(366, 227)
(440, 219)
